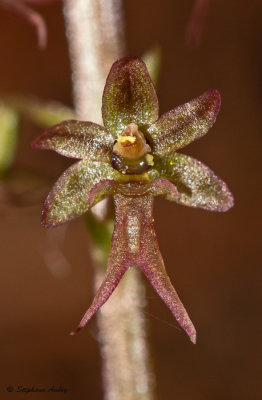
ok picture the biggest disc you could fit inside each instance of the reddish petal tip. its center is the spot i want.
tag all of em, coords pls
(230, 203)
(79, 328)
(191, 333)
(35, 144)
(44, 221)
(39, 143)
(217, 98)
(186, 324)
(214, 92)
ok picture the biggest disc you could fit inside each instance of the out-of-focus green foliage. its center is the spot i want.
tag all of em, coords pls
(153, 58)
(42, 113)
(8, 136)
(101, 233)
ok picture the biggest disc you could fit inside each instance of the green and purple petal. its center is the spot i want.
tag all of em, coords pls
(185, 123)
(77, 139)
(197, 185)
(70, 195)
(129, 96)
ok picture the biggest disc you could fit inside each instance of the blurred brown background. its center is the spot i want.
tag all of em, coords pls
(212, 259)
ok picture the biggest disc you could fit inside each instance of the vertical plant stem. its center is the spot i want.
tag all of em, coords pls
(94, 30)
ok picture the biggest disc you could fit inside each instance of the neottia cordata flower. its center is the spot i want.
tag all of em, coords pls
(133, 158)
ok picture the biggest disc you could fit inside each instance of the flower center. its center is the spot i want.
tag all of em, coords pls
(131, 152)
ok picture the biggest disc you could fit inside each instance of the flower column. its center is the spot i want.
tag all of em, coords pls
(94, 31)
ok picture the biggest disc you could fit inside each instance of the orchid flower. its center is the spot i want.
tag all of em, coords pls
(21, 8)
(134, 158)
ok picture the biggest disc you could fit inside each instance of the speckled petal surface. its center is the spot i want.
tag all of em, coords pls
(157, 187)
(142, 249)
(154, 269)
(149, 260)
(185, 123)
(134, 244)
(129, 96)
(121, 257)
(106, 187)
(114, 273)
(77, 139)
(68, 198)
(197, 185)
(163, 187)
